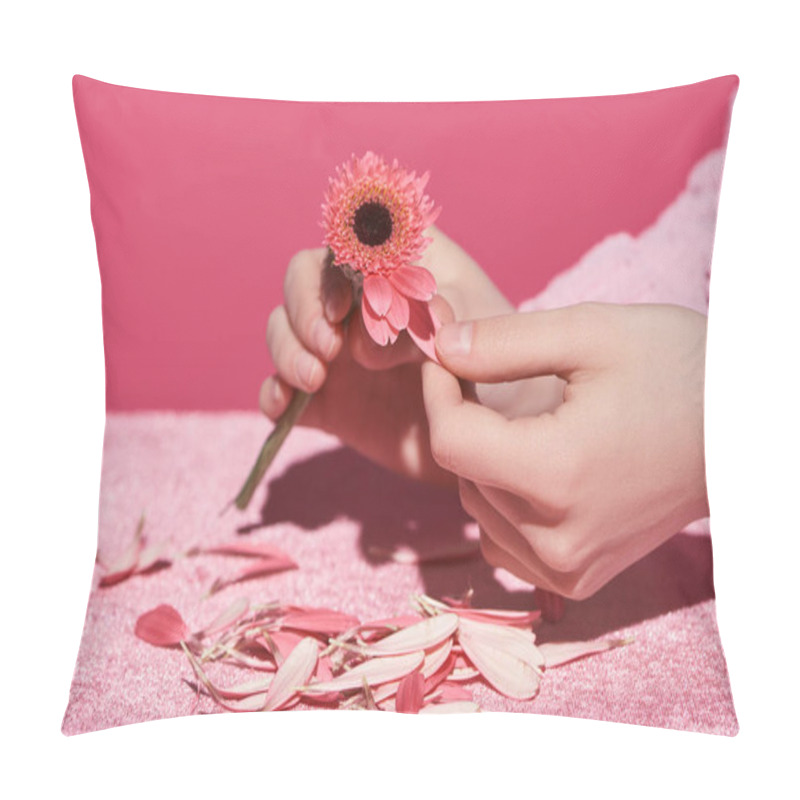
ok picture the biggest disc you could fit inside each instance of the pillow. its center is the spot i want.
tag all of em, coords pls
(198, 204)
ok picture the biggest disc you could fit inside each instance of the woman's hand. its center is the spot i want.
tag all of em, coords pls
(567, 500)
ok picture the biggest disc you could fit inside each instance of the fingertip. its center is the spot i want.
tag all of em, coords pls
(454, 340)
(441, 390)
(273, 397)
(326, 339)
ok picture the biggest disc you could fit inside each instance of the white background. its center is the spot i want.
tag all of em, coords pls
(53, 390)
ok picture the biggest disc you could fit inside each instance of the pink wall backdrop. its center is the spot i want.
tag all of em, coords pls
(199, 202)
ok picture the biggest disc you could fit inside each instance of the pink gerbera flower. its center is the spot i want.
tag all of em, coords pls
(374, 217)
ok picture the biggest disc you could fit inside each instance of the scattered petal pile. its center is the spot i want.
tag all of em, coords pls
(414, 663)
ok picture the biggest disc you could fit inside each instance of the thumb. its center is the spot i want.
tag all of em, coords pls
(524, 345)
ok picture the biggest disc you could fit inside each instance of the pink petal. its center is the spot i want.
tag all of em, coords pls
(420, 636)
(491, 615)
(324, 673)
(163, 626)
(151, 555)
(109, 579)
(452, 692)
(378, 293)
(285, 641)
(409, 693)
(440, 674)
(558, 653)
(435, 668)
(262, 567)
(398, 314)
(457, 707)
(234, 612)
(505, 657)
(518, 618)
(416, 283)
(124, 566)
(248, 549)
(319, 620)
(377, 671)
(379, 329)
(292, 674)
(422, 327)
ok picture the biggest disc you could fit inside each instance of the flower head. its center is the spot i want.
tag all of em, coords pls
(374, 216)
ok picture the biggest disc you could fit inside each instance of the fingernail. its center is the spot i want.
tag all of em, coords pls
(305, 366)
(323, 338)
(454, 339)
(275, 392)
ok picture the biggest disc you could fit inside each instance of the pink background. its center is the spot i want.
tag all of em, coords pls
(199, 202)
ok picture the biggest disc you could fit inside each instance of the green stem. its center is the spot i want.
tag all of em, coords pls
(270, 448)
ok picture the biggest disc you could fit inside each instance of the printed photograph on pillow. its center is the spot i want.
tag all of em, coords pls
(487, 320)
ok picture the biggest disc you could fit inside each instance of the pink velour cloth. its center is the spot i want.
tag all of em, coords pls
(337, 515)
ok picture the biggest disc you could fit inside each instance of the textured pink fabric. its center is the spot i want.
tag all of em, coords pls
(334, 512)
(330, 509)
(199, 202)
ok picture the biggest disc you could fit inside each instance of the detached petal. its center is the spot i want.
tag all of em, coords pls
(292, 674)
(409, 693)
(506, 657)
(414, 282)
(286, 642)
(248, 549)
(453, 692)
(163, 627)
(232, 614)
(264, 566)
(320, 620)
(437, 665)
(422, 327)
(558, 653)
(376, 671)
(420, 636)
(521, 619)
(151, 555)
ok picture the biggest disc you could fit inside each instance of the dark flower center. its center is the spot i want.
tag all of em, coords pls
(372, 224)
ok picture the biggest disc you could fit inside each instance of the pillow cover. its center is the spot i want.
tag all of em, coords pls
(198, 204)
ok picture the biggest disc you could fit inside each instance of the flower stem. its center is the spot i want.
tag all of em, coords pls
(270, 448)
